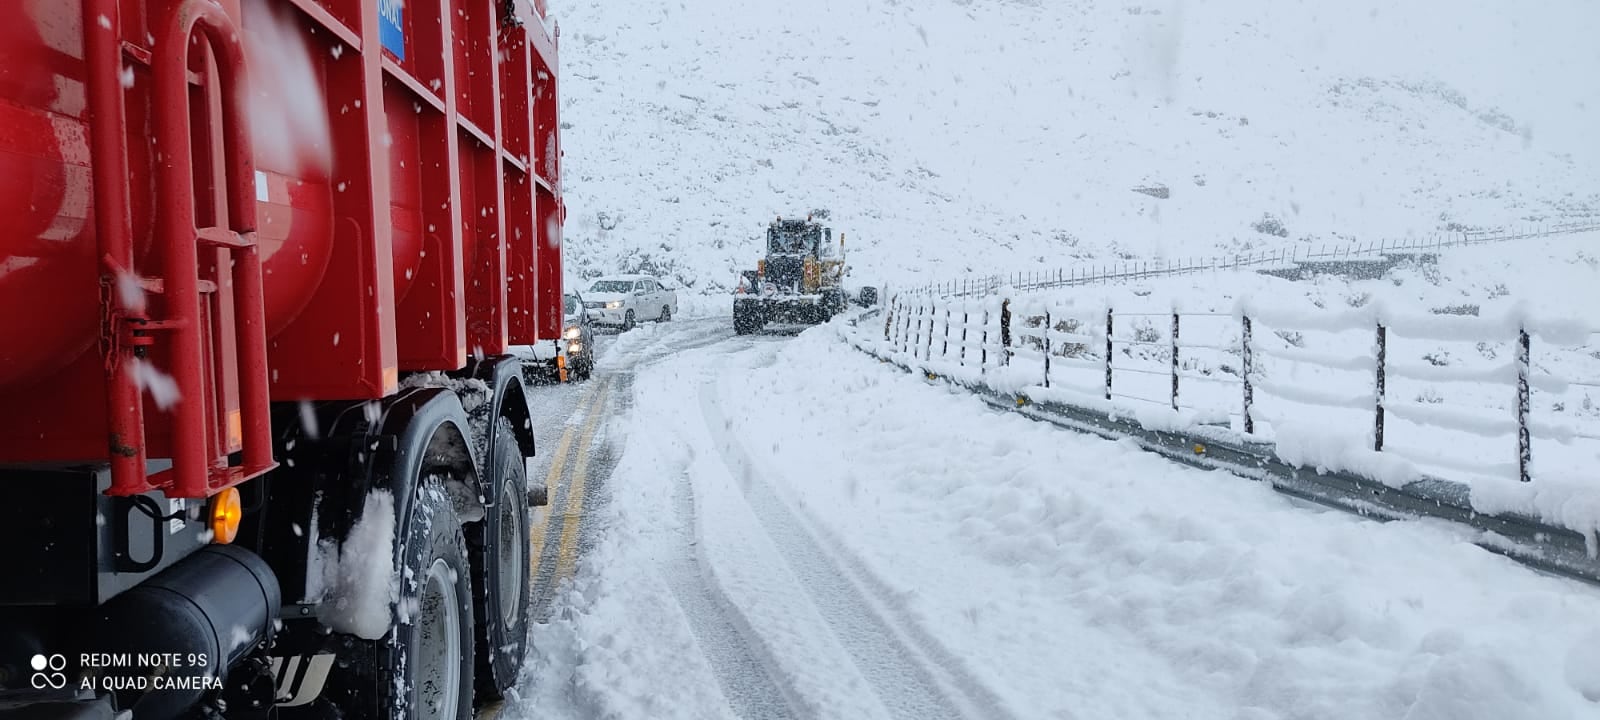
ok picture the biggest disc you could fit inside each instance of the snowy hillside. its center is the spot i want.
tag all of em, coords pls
(959, 136)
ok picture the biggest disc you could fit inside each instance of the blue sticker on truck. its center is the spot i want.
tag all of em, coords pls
(391, 26)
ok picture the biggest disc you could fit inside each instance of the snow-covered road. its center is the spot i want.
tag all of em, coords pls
(792, 529)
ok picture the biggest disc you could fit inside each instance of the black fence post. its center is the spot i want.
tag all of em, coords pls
(1247, 362)
(913, 325)
(911, 312)
(900, 317)
(1005, 332)
(1174, 362)
(916, 338)
(904, 321)
(983, 344)
(888, 318)
(1047, 348)
(1524, 440)
(925, 328)
(927, 351)
(1379, 376)
(1109, 328)
(944, 352)
(961, 358)
(905, 331)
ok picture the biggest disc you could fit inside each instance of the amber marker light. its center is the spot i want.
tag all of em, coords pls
(225, 516)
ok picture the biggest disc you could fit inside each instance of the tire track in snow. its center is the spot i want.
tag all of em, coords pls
(745, 671)
(747, 674)
(910, 672)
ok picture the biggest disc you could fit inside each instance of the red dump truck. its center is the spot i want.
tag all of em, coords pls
(262, 443)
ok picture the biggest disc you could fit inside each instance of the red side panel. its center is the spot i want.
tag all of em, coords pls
(431, 323)
(516, 124)
(336, 348)
(551, 213)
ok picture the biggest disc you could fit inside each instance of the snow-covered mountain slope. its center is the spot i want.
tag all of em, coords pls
(955, 136)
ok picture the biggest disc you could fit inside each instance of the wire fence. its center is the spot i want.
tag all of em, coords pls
(1261, 374)
(1282, 258)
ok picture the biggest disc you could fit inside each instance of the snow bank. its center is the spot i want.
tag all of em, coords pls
(1320, 447)
(1563, 500)
(1036, 554)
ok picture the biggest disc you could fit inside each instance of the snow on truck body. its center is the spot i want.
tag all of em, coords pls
(256, 249)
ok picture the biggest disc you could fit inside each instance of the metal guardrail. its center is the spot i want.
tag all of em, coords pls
(1007, 358)
(1125, 270)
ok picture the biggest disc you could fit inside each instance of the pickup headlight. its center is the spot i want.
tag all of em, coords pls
(614, 305)
(573, 333)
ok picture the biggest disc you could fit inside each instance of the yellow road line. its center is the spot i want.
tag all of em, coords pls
(553, 480)
(566, 555)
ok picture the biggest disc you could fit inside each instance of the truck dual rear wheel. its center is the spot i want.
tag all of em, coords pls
(423, 666)
(501, 580)
(431, 643)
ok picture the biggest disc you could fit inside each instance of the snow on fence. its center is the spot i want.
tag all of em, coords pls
(1338, 390)
(1281, 258)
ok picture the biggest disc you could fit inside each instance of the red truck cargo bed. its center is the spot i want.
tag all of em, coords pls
(216, 203)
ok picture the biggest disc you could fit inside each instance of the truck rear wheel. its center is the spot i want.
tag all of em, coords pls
(833, 302)
(500, 570)
(746, 321)
(422, 667)
(430, 641)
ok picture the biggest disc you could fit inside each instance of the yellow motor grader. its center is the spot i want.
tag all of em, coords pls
(801, 280)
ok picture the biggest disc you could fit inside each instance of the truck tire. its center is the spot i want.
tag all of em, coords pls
(431, 636)
(628, 321)
(746, 322)
(422, 667)
(666, 314)
(501, 581)
(833, 303)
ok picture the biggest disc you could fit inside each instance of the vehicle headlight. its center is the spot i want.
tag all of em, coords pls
(573, 333)
(576, 347)
(614, 305)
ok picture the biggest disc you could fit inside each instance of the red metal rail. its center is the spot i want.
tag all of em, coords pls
(114, 228)
(199, 452)
(199, 456)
